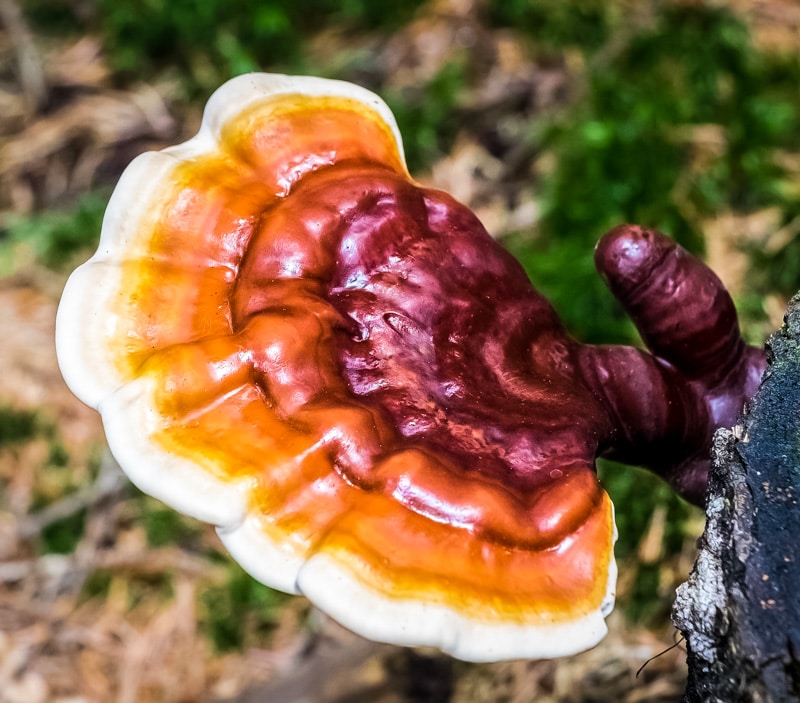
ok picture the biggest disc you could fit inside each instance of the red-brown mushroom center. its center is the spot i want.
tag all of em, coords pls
(447, 378)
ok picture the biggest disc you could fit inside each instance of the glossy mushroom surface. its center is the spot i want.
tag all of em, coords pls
(290, 338)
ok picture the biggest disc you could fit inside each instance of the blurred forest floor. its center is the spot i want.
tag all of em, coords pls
(105, 594)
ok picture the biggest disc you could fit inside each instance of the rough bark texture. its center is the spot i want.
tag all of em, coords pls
(740, 609)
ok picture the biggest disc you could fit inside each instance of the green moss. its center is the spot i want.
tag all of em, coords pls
(428, 115)
(17, 426)
(53, 17)
(557, 23)
(97, 584)
(637, 494)
(54, 238)
(209, 41)
(626, 151)
(165, 526)
(62, 537)
(240, 612)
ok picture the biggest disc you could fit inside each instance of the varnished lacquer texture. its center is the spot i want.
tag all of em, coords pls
(702, 373)
(289, 337)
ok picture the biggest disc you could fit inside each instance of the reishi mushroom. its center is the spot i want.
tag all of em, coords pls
(290, 338)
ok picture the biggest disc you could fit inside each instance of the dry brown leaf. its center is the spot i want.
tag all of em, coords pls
(81, 64)
(102, 120)
(775, 24)
(728, 235)
(29, 375)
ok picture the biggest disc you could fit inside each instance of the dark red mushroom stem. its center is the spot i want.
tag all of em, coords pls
(700, 374)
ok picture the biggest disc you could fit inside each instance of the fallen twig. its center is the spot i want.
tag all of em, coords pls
(31, 74)
(110, 481)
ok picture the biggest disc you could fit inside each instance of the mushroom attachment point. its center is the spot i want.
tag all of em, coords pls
(288, 337)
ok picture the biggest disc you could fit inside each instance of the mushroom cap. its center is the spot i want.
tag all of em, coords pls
(265, 334)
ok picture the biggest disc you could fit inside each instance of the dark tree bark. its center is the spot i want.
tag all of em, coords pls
(740, 609)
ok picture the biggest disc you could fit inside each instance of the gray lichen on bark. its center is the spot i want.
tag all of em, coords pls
(740, 609)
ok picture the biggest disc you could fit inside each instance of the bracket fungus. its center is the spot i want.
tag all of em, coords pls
(290, 338)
